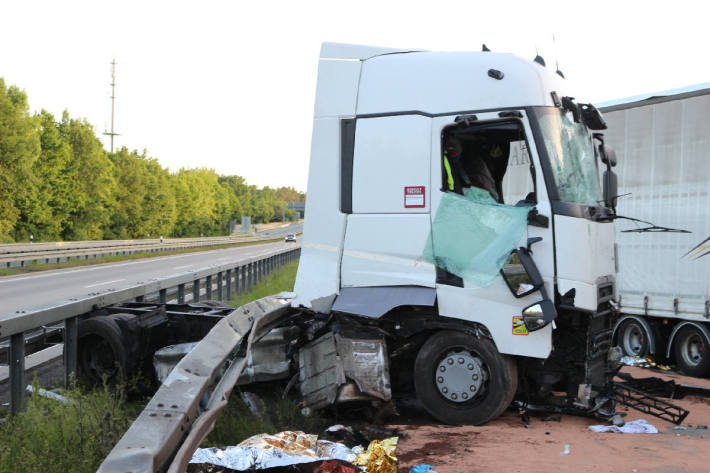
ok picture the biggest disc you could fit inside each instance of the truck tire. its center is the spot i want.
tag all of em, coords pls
(461, 379)
(691, 351)
(102, 354)
(632, 338)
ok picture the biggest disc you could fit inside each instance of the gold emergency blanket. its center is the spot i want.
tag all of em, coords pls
(379, 457)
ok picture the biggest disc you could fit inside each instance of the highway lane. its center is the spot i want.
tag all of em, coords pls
(29, 291)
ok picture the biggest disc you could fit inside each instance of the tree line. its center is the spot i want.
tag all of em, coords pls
(57, 182)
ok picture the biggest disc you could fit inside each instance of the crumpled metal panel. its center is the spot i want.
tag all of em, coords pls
(328, 364)
(266, 361)
(320, 371)
(365, 362)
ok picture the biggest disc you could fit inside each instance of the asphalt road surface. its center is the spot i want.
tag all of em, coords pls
(46, 288)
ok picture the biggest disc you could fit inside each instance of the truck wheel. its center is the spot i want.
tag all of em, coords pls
(461, 379)
(101, 353)
(632, 338)
(690, 349)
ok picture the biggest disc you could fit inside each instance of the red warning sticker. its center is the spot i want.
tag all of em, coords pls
(414, 197)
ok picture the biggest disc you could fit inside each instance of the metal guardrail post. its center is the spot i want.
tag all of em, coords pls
(181, 294)
(196, 290)
(163, 296)
(17, 372)
(71, 349)
(208, 287)
(243, 278)
(220, 282)
(229, 284)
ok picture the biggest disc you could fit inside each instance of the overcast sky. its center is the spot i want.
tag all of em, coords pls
(230, 84)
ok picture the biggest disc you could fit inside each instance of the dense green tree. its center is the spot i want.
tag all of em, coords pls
(93, 201)
(19, 148)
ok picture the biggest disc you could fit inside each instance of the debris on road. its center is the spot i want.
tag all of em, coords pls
(379, 457)
(639, 426)
(263, 451)
(566, 451)
(423, 469)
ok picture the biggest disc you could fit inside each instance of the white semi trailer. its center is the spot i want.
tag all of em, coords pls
(663, 144)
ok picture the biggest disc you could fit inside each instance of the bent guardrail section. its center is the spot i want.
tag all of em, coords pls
(225, 279)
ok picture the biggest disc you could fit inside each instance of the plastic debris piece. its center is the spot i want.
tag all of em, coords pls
(379, 457)
(423, 469)
(267, 451)
(566, 451)
(639, 426)
(490, 232)
(49, 394)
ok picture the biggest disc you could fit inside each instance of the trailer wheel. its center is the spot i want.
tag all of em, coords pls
(102, 354)
(691, 351)
(632, 338)
(461, 379)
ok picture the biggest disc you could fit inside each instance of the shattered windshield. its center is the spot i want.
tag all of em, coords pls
(571, 154)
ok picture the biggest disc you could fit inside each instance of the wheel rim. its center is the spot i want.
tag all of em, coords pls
(460, 376)
(97, 359)
(633, 340)
(692, 349)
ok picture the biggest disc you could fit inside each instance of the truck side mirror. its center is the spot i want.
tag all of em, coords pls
(521, 274)
(610, 188)
(539, 314)
(608, 155)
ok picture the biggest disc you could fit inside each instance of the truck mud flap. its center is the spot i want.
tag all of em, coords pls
(184, 409)
(648, 404)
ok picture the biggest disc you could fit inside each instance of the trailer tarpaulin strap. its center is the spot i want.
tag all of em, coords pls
(472, 235)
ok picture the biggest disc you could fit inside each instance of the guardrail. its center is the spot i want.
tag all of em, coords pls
(225, 279)
(58, 254)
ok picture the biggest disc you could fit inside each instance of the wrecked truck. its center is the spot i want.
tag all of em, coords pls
(458, 248)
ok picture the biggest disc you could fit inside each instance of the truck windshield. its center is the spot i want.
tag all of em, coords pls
(571, 154)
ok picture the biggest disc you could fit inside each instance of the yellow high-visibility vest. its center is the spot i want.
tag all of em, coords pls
(449, 176)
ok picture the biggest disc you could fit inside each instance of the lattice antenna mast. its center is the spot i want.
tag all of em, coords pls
(112, 133)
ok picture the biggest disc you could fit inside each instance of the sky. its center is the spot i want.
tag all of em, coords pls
(230, 85)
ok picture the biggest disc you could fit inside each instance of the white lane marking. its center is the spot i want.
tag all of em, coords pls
(180, 267)
(102, 283)
(246, 249)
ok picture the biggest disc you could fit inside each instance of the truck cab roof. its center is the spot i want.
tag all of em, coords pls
(368, 80)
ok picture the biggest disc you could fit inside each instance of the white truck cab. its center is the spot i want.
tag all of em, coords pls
(383, 239)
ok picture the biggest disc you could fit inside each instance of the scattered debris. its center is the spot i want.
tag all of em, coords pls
(643, 362)
(639, 426)
(566, 451)
(379, 457)
(423, 469)
(265, 451)
(663, 388)
(345, 435)
(552, 419)
(48, 394)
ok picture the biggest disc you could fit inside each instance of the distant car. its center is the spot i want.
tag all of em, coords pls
(290, 238)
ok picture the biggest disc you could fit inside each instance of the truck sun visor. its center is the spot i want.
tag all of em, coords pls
(472, 235)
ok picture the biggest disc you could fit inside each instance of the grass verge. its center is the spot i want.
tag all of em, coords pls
(279, 281)
(49, 436)
(33, 268)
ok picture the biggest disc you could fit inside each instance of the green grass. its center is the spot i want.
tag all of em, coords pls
(280, 280)
(237, 423)
(49, 436)
(114, 258)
